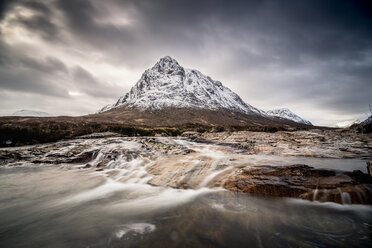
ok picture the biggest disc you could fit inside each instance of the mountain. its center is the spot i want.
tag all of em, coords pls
(25, 112)
(168, 95)
(367, 121)
(364, 126)
(168, 100)
(169, 85)
(287, 114)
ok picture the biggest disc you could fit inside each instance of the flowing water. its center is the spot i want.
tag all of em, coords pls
(67, 206)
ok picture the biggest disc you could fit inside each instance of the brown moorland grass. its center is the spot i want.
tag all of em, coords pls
(16, 131)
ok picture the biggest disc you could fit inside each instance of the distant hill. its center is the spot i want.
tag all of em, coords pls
(25, 112)
(287, 114)
(364, 126)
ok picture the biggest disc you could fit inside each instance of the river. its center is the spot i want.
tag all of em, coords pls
(61, 205)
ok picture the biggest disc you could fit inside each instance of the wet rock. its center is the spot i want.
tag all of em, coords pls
(302, 181)
(190, 134)
(103, 163)
(87, 166)
(83, 157)
(369, 168)
(312, 143)
(99, 135)
(359, 176)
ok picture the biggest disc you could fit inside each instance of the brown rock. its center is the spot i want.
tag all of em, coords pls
(302, 181)
(369, 168)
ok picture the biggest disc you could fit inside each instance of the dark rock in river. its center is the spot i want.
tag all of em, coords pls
(302, 181)
(369, 168)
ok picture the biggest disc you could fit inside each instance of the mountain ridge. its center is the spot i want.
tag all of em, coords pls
(169, 85)
(367, 121)
(31, 113)
(287, 114)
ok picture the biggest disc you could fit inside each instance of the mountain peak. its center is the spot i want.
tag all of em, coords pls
(282, 109)
(168, 59)
(168, 65)
(167, 84)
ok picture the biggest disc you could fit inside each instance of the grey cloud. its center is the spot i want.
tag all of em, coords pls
(290, 30)
(80, 16)
(5, 5)
(90, 85)
(39, 6)
(315, 52)
(21, 73)
(4, 50)
(40, 24)
(29, 82)
(49, 65)
(41, 20)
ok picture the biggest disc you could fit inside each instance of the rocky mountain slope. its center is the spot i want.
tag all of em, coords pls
(367, 121)
(287, 114)
(364, 126)
(169, 85)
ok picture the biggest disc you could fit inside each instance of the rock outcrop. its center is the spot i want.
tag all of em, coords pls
(302, 181)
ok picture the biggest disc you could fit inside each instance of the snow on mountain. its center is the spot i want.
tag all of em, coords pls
(287, 114)
(167, 84)
(367, 121)
(25, 112)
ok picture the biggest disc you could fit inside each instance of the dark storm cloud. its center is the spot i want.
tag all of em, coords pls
(292, 29)
(39, 6)
(81, 17)
(21, 73)
(3, 53)
(40, 24)
(48, 65)
(42, 20)
(5, 6)
(314, 52)
(29, 82)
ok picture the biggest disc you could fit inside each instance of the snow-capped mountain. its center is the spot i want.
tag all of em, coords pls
(367, 121)
(25, 112)
(167, 84)
(287, 114)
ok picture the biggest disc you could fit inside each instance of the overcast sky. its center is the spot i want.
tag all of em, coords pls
(72, 57)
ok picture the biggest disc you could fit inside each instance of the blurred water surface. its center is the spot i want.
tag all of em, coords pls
(56, 207)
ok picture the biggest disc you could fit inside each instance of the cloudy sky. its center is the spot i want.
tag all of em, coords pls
(74, 57)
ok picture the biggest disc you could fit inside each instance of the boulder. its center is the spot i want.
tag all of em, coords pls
(302, 181)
